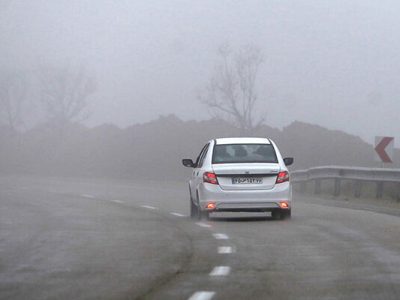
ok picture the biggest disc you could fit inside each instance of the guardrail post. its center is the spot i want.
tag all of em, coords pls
(317, 188)
(357, 188)
(336, 191)
(379, 189)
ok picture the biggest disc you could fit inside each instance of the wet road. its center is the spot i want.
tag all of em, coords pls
(99, 239)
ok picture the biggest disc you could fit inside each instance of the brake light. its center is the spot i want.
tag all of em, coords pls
(282, 177)
(284, 204)
(211, 206)
(210, 178)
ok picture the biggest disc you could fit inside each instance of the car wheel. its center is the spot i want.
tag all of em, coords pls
(193, 210)
(204, 215)
(198, 212)
(201, 214)
(277, 215)
(281, 214)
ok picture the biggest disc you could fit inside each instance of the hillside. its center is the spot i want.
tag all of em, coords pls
(155, 149)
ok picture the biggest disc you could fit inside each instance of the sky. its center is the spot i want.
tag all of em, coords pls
(334, 63)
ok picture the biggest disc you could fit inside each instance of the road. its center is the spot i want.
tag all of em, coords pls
(120, 239)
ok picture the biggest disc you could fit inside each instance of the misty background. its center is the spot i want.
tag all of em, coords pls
(332, 63)
(113, 88)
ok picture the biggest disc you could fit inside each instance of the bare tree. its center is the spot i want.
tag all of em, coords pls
(13, 88)
(65, 92)
(231, 91)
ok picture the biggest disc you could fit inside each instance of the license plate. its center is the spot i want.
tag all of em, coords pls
(247, 180)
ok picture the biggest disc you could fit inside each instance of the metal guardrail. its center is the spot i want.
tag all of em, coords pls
(378, 176)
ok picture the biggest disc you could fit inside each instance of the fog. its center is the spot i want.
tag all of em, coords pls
(332, 63)
(110, 190)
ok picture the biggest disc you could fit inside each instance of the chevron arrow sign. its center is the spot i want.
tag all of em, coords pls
(384, 149)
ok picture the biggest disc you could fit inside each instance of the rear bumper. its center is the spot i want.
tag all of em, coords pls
(244, 200)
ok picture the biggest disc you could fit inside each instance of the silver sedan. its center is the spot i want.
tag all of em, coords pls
(240, 174)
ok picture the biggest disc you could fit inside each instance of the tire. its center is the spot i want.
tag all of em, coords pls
(281, 214)
(200, 213)
(193, 210)
(276, 215)
(204, 215)
(193, 207)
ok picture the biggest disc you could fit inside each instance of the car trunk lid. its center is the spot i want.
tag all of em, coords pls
(246, 176)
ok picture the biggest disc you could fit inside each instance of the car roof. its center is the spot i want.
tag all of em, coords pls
(242, 140)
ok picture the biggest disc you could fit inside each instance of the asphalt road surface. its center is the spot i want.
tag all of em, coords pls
(102, 239)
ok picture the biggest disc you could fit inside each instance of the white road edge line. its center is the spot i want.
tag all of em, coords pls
(203, 295)
(117, 201)
(203, 225)
(148, 206)
(177, 214)
(220, 271)
(220, 236)
(225, 250)
(87, 196)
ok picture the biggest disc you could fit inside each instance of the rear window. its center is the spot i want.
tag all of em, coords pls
(244, 153)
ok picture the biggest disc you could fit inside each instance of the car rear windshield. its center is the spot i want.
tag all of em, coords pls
(244, 153)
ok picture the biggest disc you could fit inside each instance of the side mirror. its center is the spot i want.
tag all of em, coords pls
(188, 163)
(288, 161)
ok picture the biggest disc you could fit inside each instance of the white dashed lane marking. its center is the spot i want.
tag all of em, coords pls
(149, 207)
(88, 196)
(225, 250)
(177, 214)
(117, 201)
(203, 295)
(203, 225)
(220, 271)
(220, 236)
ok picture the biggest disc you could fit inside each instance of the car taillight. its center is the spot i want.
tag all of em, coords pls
(211, 206)
(210, 178)
(282, 177)
(284, 204)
